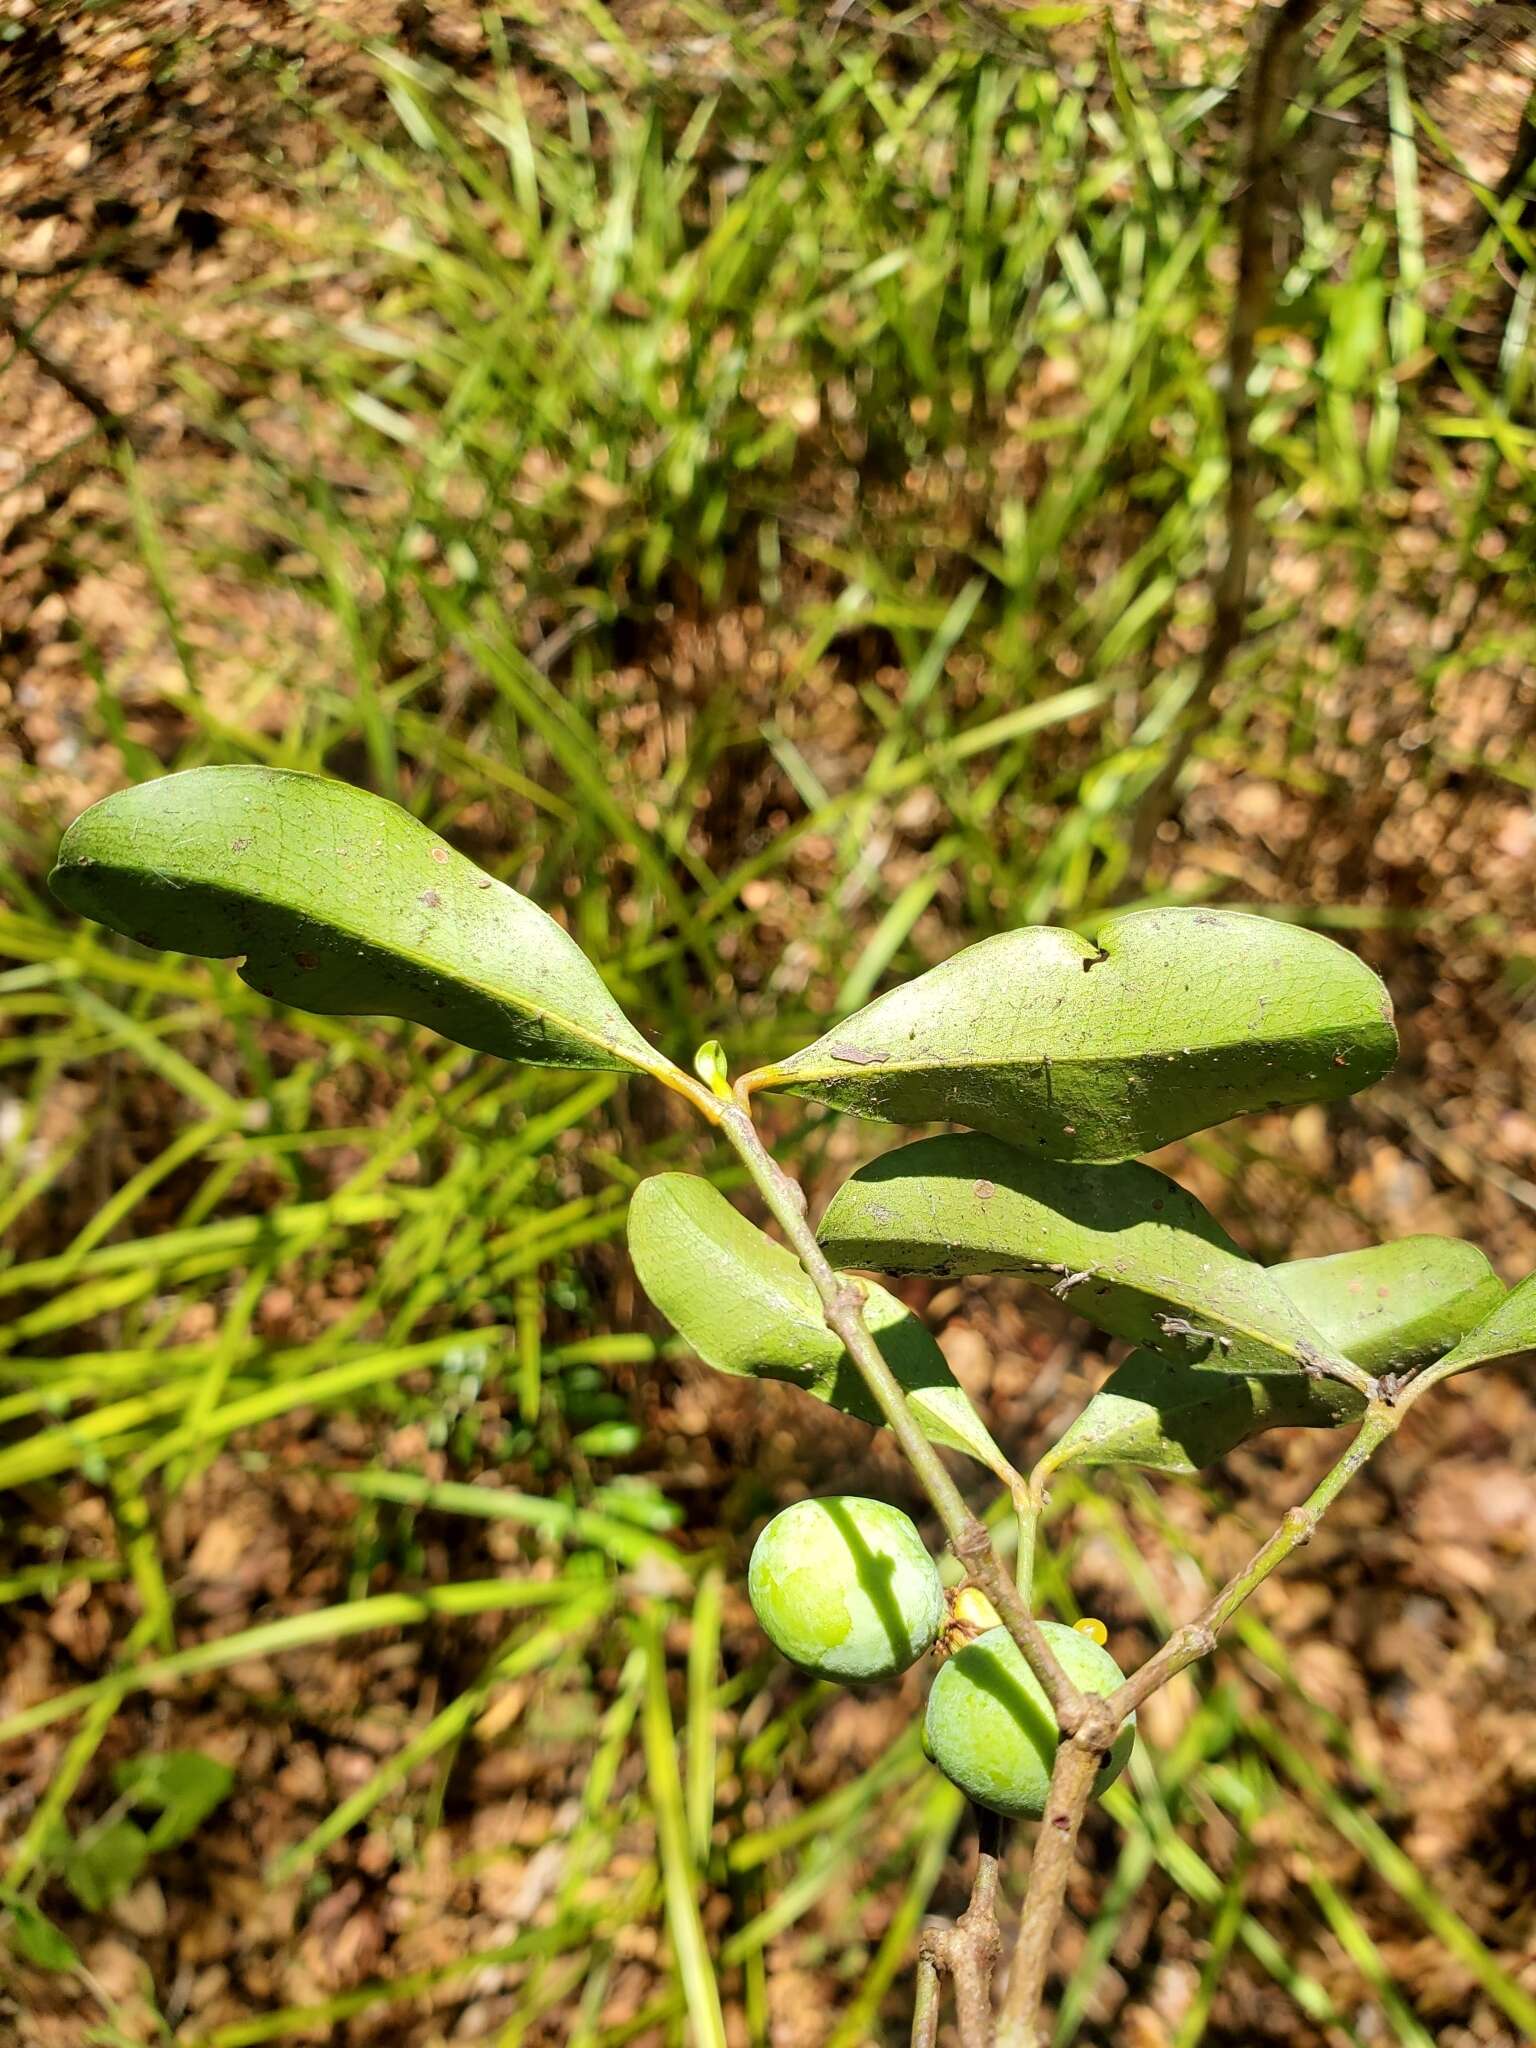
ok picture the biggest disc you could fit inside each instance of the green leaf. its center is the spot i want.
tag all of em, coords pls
(746, 1307)
(103, 1865)
(1125, 1246)
(1176, 1019)
(1391, 1306)
(1167, 1416)
(1394, 1306)
(35, 1938)
(182, 1785)
(1508, 1331)
(342, 903)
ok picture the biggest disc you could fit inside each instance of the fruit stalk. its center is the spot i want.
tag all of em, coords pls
(968, 1538)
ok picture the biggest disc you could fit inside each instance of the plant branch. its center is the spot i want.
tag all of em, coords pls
(969, 1949)
(1077, 1765)
(1197, 1639)
(842, 1304)
(1271, 88)
(925, 2005)
(975, 1941)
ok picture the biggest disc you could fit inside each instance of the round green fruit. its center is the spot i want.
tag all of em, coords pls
(989, 1726)
(845, 1588)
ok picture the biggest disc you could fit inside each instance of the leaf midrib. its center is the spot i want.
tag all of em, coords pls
(783, 1074)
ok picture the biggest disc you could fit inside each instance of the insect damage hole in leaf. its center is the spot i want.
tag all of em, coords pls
(1174, 1020)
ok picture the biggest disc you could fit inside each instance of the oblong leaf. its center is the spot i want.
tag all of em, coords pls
(1388, 1308)
(345, 904)
(1505, 1333)
(1166, 1416)
(1128, 1248)
(746, 1307)
(1174, 1020)
(1391, 1307)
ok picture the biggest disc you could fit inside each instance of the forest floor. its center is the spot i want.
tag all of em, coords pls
(752, 481)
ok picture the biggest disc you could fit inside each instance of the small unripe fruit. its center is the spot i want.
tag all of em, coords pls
(844, 1588)
(989, 1726)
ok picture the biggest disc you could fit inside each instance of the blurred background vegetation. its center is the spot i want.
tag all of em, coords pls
(753, 478)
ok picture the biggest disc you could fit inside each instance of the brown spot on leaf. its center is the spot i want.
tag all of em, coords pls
(431, 899)
(440, 854)
(307, 961)
(239, 845)
(984, 1190)
(855, 1056)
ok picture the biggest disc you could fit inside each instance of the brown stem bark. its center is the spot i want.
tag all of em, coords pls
(1077, 1765)
(974, 1946)
(969, 1950)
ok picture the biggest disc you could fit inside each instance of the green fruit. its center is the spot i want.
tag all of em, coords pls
(845, 1588)
(989, 1726)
